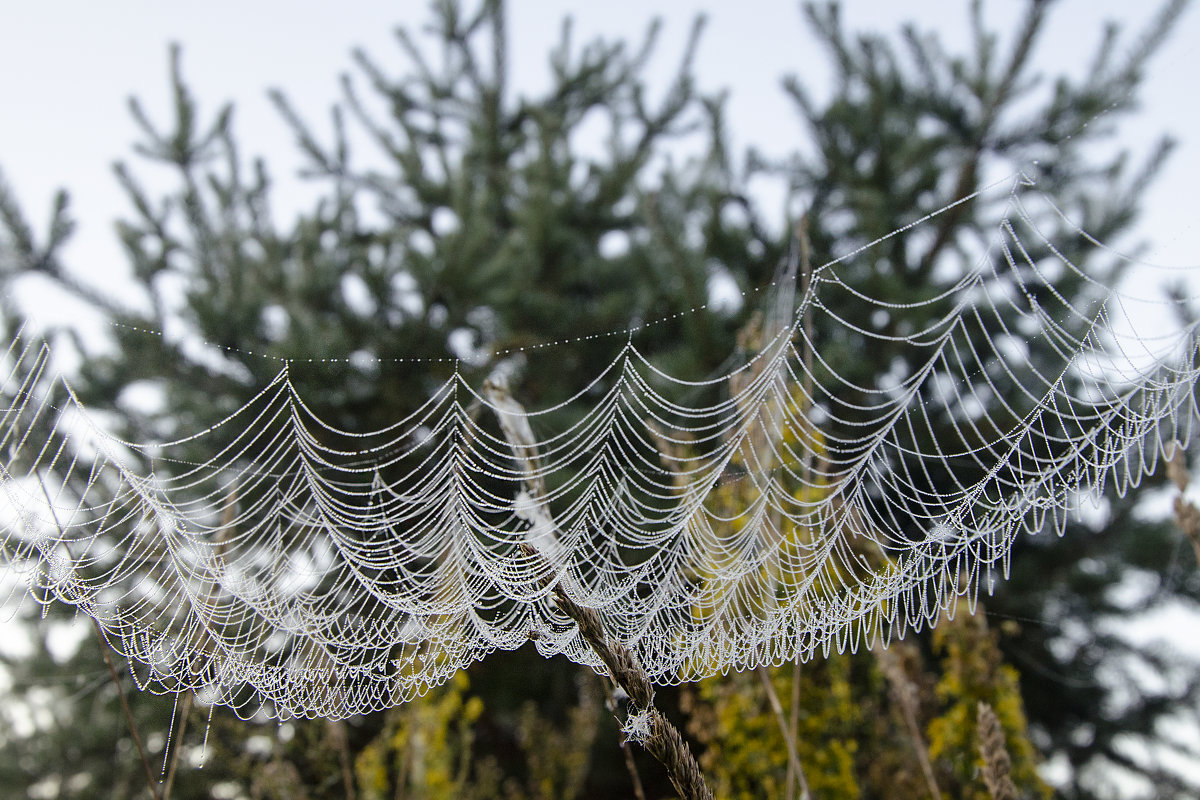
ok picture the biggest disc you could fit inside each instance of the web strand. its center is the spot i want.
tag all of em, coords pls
(315, 571)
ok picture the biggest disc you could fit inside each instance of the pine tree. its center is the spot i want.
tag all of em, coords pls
(912, 127)
(483, 229)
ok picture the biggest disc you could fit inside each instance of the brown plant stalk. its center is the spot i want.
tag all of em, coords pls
(133, 729)
(904, 693)
(335, 730)
(996, 762)
(644, 724)
(795, 773)
(630, 765)
(178, 748)
(795, 770)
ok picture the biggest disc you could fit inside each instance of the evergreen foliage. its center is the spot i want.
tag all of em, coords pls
(479, 225)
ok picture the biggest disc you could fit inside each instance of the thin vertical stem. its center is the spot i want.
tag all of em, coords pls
(178, 749)
(794, 719)
(634, 776)
(801, 233)
(133, 730)
(905, 694)
(793, 757)
(336, 730)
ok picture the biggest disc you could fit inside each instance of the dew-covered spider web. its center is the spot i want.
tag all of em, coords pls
(785, 508)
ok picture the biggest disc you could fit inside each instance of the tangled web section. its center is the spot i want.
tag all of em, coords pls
(795, 507)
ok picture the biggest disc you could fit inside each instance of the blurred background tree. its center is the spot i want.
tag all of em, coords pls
(482, 221)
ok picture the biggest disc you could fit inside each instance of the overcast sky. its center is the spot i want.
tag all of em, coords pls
(68, 67)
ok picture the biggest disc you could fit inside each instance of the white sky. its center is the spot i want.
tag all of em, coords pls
(68, 67)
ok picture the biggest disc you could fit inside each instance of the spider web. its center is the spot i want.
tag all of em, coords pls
(314, 571)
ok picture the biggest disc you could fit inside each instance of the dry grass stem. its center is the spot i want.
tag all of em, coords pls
(630, 765)
(793, 776)
(794, 767)
(177, 749)
(996, 762)
(644, 724)
(336, 731)
(133, 730)
(904, 693)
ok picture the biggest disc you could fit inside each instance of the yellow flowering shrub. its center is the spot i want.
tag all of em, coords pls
(861, 730)
(973, 672)
(425, 748)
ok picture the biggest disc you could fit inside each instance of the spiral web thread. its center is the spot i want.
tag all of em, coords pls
(317, 572)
